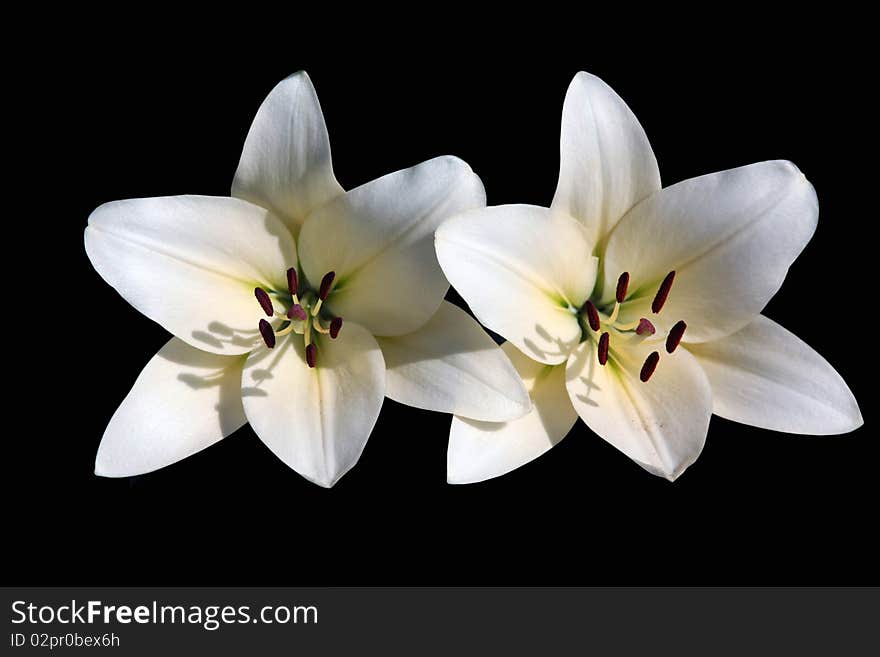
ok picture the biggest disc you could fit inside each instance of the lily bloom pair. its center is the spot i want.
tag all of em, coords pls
(297, 306)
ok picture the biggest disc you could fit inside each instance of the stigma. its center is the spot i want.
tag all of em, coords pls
(303, 313)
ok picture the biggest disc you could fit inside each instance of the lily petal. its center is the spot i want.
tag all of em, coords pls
(482, 450)
(451, 365)
(522, 270)
(191, 263)
(730, 237)
(662, 423)
(378, 239)
(316, 420)
(765, 376)
(183, 401)
(286, 165)
(606, 163)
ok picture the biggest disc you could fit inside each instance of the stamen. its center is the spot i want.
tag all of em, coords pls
(292, 281)
(674, 336)
(290, 328)
(265, 301)
(622, 285)
(662, 292)
(267, 333)
(649, 366)
(592, 315)
(602, 350)
(335, 327)
(645, 327)
(311, 354)
(320, 328)
(326, 284)
(614, 313)
(296, 312)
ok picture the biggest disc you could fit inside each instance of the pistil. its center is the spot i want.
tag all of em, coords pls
(297, 312)
(645, 327)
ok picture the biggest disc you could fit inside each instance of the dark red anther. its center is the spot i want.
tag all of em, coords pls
(649, 366)
(326, 284)
(602, 350)
(335, 327)
(622, 285)
(292, 281)
(645, 327)
(265, 301)
(267, 333)
(662, 292)
(296, 312)
(674, 336)
(311, 354)
(592, 315)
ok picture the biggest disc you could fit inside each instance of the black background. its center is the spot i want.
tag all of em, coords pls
(121, 116)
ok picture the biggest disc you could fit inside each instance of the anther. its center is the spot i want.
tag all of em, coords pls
(335, 327)
(326, 284)
(622, 285)
(267, 333)
(311, 354)
(645, 327)
(602, 350)
(265, 301)
(296, 312)
(662, 292)
(592, 315)
(674, 336)
(292, 281)
(649, 366)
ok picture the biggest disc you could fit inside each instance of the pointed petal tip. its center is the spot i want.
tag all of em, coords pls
(104, 470)
(455, 478)
(667, 474)
(854, 423)
(297, 77)
(583, 77)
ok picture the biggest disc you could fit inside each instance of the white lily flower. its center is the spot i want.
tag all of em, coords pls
(254, 289)
(637, 308)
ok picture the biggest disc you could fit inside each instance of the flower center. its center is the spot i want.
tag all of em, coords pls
(302, 313)
(598, 324)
